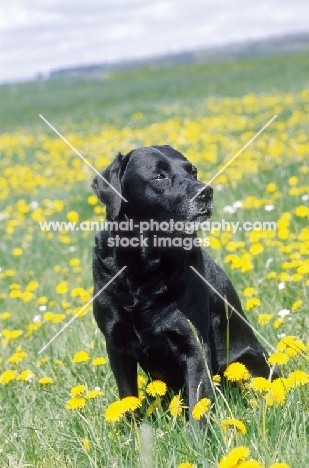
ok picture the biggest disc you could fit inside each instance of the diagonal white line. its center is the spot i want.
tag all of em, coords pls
(81, 156)
(233, 158)
(81, 310)
(234, 310)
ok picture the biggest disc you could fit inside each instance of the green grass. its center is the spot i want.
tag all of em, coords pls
(100, 118)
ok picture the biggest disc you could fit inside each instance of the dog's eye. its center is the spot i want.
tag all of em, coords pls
(160, 176)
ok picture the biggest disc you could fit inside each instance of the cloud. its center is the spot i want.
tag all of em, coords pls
(40, 36)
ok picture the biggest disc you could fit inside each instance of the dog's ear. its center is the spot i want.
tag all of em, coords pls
(102, 186)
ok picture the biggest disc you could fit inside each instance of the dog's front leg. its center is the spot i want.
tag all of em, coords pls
(124, 368)
(197, 377)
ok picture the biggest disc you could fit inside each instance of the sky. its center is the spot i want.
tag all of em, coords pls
(43, 35)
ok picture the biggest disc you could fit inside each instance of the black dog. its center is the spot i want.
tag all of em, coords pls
(147, 312)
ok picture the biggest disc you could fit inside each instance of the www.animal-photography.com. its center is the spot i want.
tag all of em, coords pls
(154, 217)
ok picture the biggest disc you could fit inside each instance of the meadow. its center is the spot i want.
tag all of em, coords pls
(58, 407)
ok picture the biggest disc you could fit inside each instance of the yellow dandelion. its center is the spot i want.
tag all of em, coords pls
(302, 211)
(234, 458)
(94, 394)
(75, 403)
(234, 424)
(45, 380)
(252, 302)
(185, 465)
(25, 375)
(130, 403)
(78, 390)
(279, 465)
(99, 361)
(201, 407)
(73, 216)
(92, 200)
(250, 464)
(156, 388)
(216, 378)
(248, 292)
(237, 371)
(296, 305)
(291, 346)
(263, 319)
(32, 286)
(278, 322)
(62, 287)
(298, 378)
(74, 261)
(256, 249)
(260, 384)
(176, 406)
(141, 380)
(15, 293)
(283, 383)
(114, 412)
(278, 358)
(86, 444)
(17, 252)
(7, 376)
(276, 395)
(5, 316)
(81, 356)
(151, 408)
(17, 357)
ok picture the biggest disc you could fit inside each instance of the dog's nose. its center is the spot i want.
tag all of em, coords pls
(206, 193)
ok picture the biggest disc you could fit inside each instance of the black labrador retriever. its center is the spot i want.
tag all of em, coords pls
(158, 313)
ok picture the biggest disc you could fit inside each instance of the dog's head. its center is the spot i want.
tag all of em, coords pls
(158, 183)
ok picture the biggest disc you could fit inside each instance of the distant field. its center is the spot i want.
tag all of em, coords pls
(52, 405)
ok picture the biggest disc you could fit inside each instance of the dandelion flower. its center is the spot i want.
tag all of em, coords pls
(234, 458)
(99, 361)
(151, 408)
(156, 387)
(17, 357)
(250, 464)
(7, 376)
(86, 444)
(81, 356)
(45, 380)
(296, 305)
(275, 396)
(93, 394)
(249, 292)
(235, 424)
(298, 378)
(252, 302)
(237, 371)
(260, 384)
(278, 358)
(130, 403)
(201, 407)
(17, 252)
(77, 390)
(185, 465)
(114, 412)
(279, 465)
(62, 287)
(75, 403)
(291, 346)
(216, 378)
(264, 319)
(176, 406)
(25, 375)
(141, 380)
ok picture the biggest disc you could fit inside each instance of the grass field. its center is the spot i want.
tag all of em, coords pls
(53, 404)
